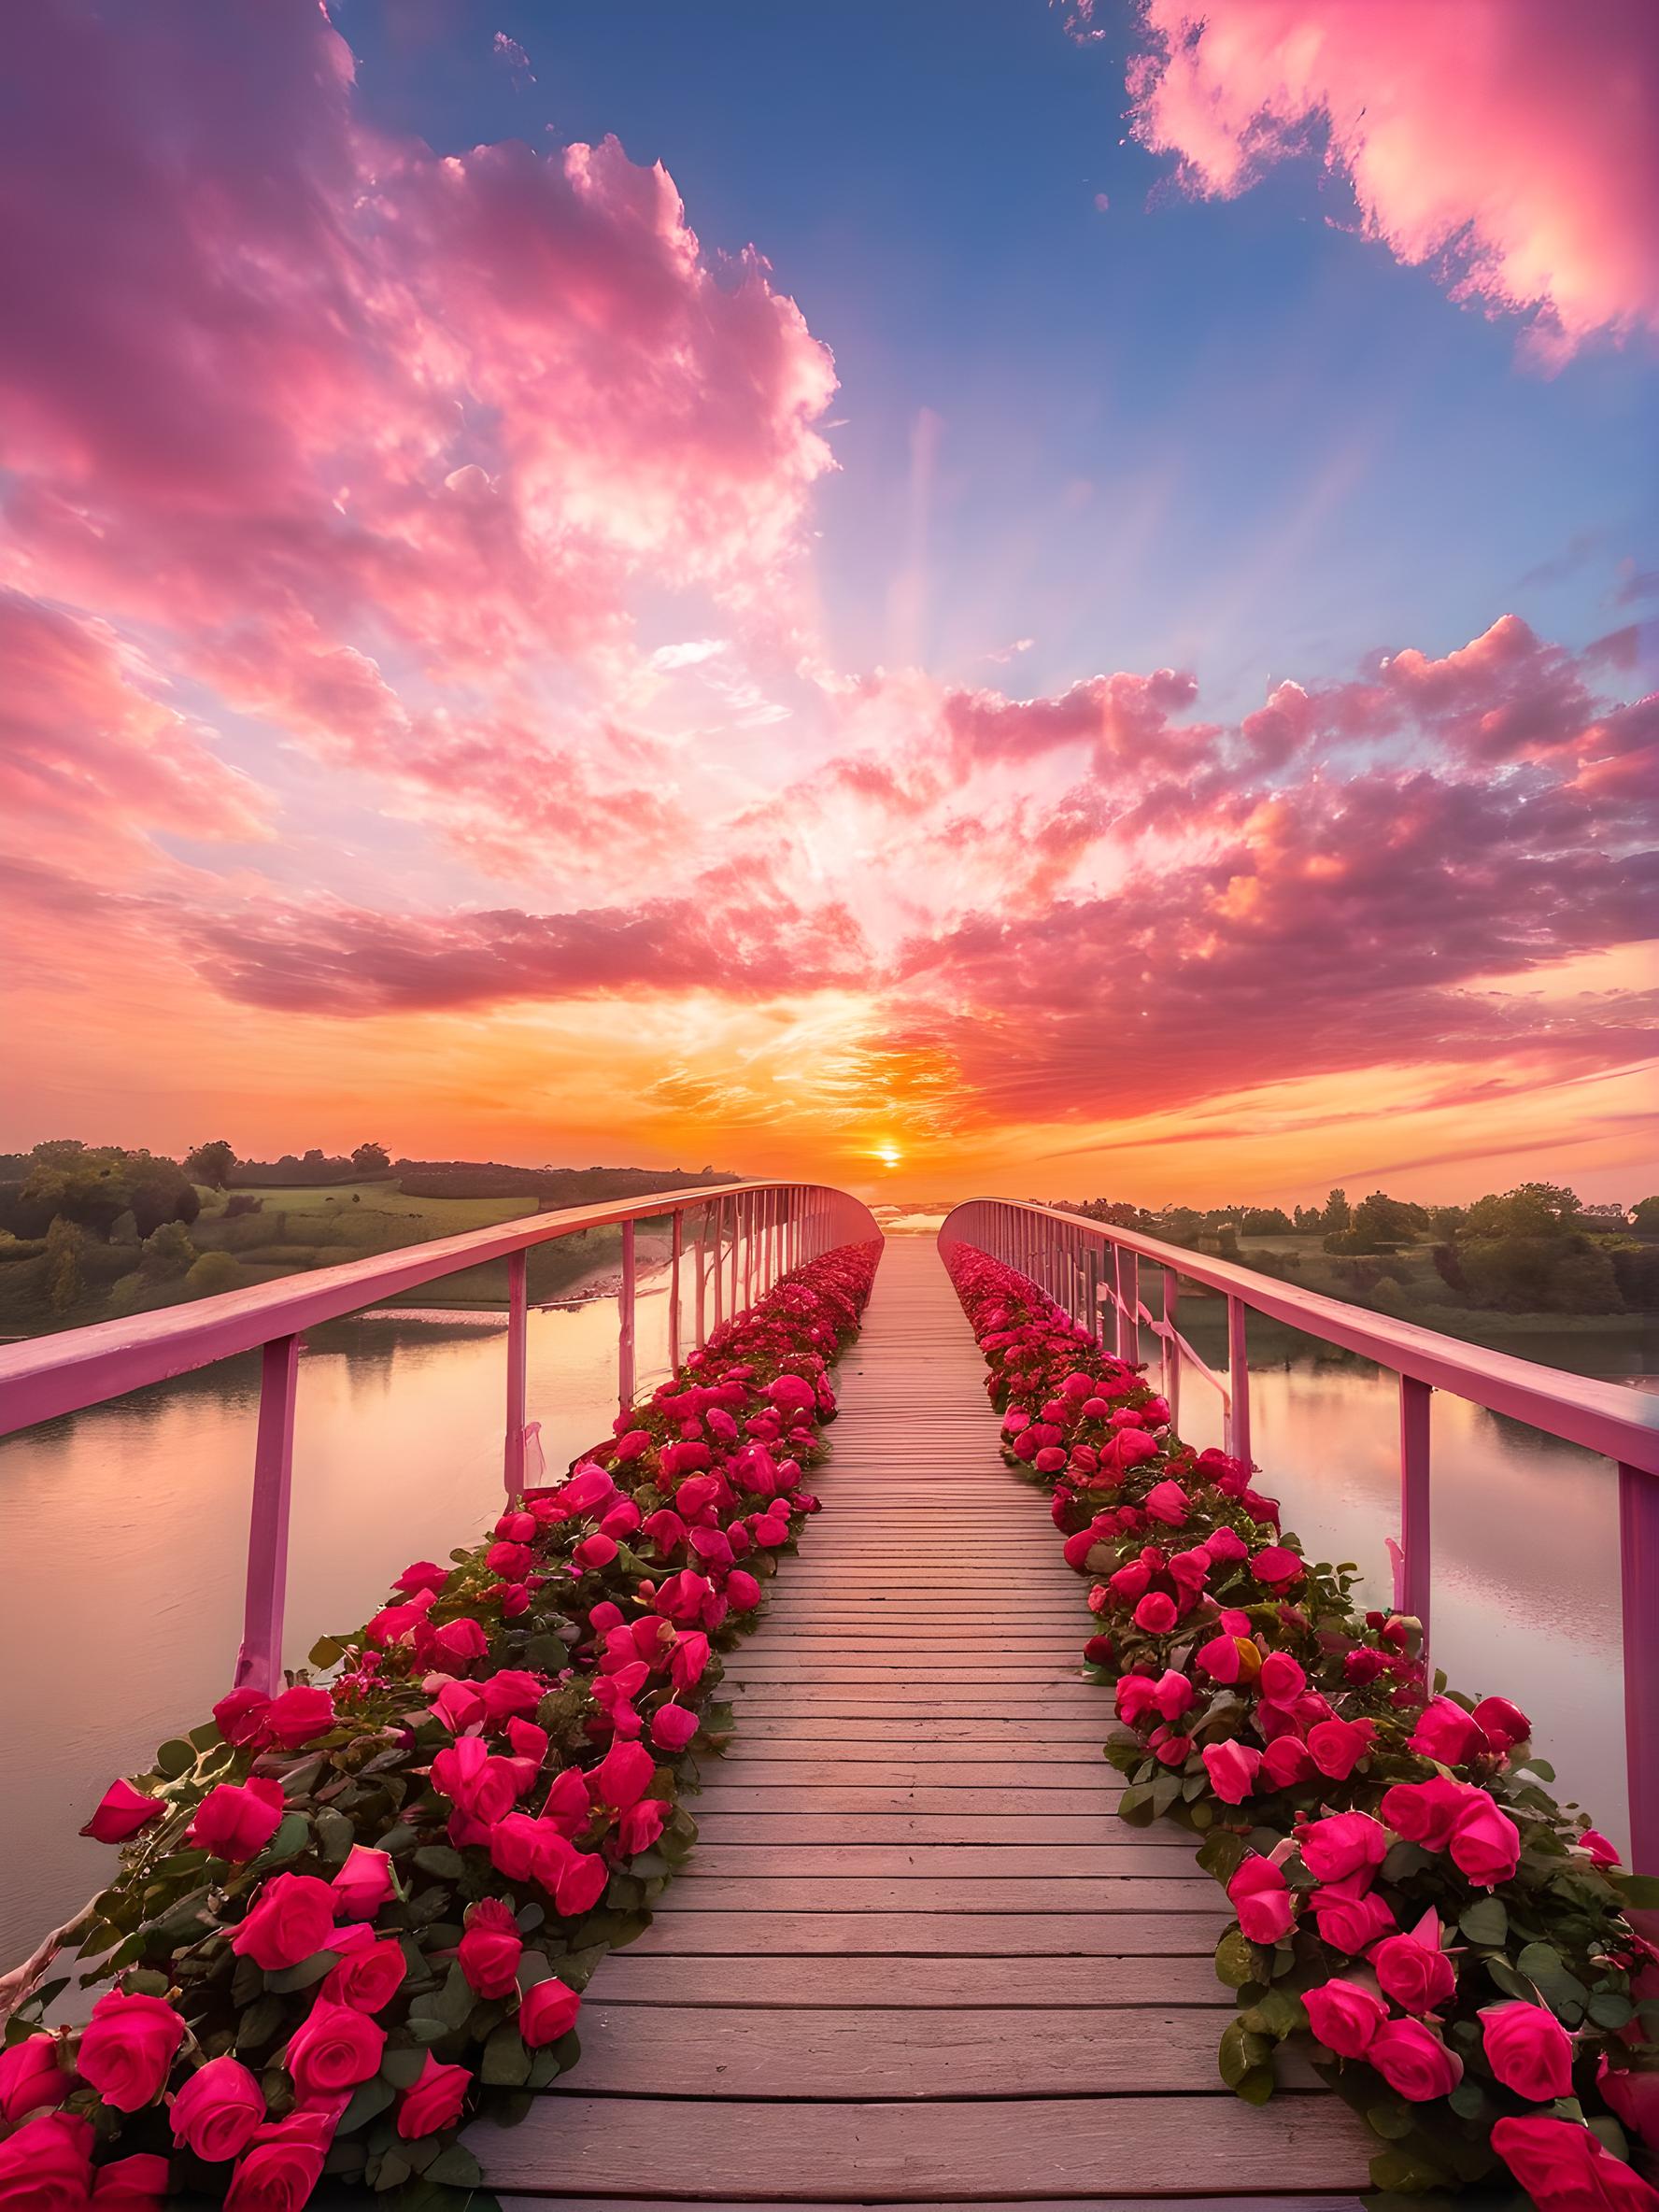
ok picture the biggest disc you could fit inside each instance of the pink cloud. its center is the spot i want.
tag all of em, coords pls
(1508, 141)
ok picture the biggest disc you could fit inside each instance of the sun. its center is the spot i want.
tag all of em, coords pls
(888, 1155)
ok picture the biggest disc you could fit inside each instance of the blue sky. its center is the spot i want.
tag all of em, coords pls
(1232, 435)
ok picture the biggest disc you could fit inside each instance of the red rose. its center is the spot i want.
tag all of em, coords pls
(1412, 1969)
(1413, 2061)
(237, 1819)
(622, 1777)
(241, 1714)
(641, 1825)
(1425, 1812)
(1337, 1747)
(436, 2099)
(491, 1948)
(127, 2046)
(47, 2166)
(363, 1883)
(369, 1974)
(1349, 1917)
(281, 2167)
(297, 1717)
(673, 1727)
(1528, 2051)
(1562, 2166)
(581, 1882)
(333, 2050)
(1345, 1843)
(1262, 1899)
(122, 1811)
(1485, 1843)
(1232, 1768)
(1344, 2017)
(32, 2077)
(136, 2184)
(292, 1921)
(546, 2012)
(1156, 1613)
(216, 2112)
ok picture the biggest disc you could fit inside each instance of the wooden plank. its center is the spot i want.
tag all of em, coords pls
(351, 2200)
(1102, 2148)
(909, 1827)
(821, 1797)
(759, 1772)
(925, 1892)
(1092, 1985)
(715, 2050)
(1028, 1936)
(922, 1728)
(986, 1862)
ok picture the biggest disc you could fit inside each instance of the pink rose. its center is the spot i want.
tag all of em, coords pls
(122, 1811)
(743, 1590)
(1134, 1698)
(513, 1692)
(1172, 1693)
(282, 2165)
(1446, 1733)
(1276, 1565)
(1127, 1582)
(237, 1819)
(216, 2112)
(127, 2046)
(1425, 1812)
(1413, 1970)
(332, 2050)
(1164, 1501)
(369, 1974)
(426, 1574)
(1220, 1659)
(546, 2012)
(1350, 1916)
(1503, 1724)
(1262, 1899)
(1344, 2017)
(434, 2102)
(32, 2077)
(1485, 1843)
(641, 1825)
(298, 1716)
(1232, 1768)
(511, 1562)
(1562, 2166)
(293, 1920)
(458, 1643)
(1345, 1843)
(1528, 2051)
(1156, 1613)
(1634, 2095)
(1602, 1851)
(1281, 1681)
(240, 1715)
(1337, 1747)
(134, 2184)
(581, 1882)
(364, 1884)
(491, 1948)
(1131, 1446)
(47, 2166)
(1413, 2061)
(1287, 1762)
(673, 1727)
(595, 1551)
(622, 1777)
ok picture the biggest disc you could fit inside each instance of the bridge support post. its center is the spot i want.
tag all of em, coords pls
(719, 1262)
(1172, 1374)
(1413, 1578)
(517, 1346)
(1237, 1381)
(1638, 1577)
(625, 1330)
(259, 1663)
(700, 1261)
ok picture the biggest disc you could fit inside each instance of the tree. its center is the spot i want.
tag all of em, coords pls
(211, 1272)
(1530, 1210)
(211, 1163)
(159, 1190)
(64, 1282)
(1264, 1221)
(168, 1253)
(1381, 1220)
(83, 1185)
(1644, 1214)
(371, 1159)
(1309, 1218)
(1336, 1213)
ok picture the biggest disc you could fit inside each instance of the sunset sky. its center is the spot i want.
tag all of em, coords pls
(1063, 592)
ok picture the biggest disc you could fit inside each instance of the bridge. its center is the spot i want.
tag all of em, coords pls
(915, 1956)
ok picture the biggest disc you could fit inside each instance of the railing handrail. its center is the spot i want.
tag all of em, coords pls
(1605, 1417)
(44, 1376)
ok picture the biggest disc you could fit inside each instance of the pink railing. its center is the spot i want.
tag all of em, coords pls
(1093, 1270)
(744, 1236)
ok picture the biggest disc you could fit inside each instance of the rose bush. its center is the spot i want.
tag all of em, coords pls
(344, 1910)
(1411, 1900)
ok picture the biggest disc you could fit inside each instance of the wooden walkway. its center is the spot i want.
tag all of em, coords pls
(916, 1959)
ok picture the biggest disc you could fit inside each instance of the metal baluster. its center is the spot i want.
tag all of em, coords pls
(673, 1291)
(1638, 1582)
(518, 1334)
(625, 1331)
(719, 1262)
(1237, 1381)
(700, 1248)
(1413, 1579)
(259, 1663)
(1171, 1349)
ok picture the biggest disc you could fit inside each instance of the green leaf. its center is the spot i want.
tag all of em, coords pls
(1390, 2120)
(454, 2002)
(1511, 1983)
(1240, 2052)
(1608, 2009)
(1405, 2173)
(176, 1757)
(328, 1650)
(1468, 2099)
(146, 1982)
(505, 2062)
(305, 1976)
(1223, 1854)
(1637, 1893)
(457, 2168)
(293, 1833)
(336, 1837)
(1486, 1922)
(1281, 2012)
(1135, 1806)
(403, 2069)
(1164, 1792)
(206, 1737)
(437, 1858)
(367, 2099)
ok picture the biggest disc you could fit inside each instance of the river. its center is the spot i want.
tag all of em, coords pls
(124, 1530)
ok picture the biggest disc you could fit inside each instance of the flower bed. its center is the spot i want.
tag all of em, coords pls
(1411, 1902)
(344, 1910)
